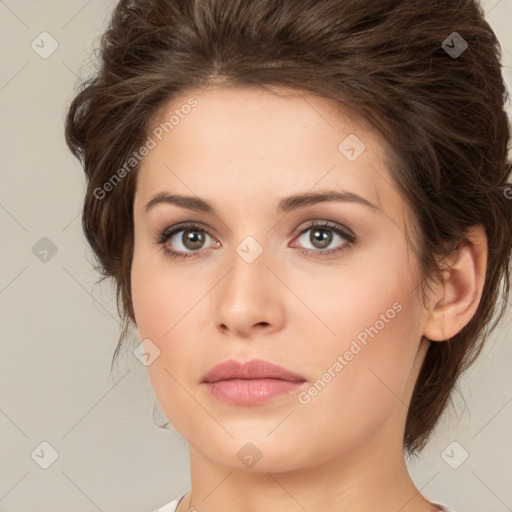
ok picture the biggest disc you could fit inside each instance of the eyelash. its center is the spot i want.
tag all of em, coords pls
(350, 239)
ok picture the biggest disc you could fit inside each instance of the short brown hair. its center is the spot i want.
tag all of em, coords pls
(393, 62)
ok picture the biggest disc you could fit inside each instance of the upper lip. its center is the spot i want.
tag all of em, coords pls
(254, 369)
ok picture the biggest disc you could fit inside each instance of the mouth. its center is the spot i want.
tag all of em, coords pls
(250, 383)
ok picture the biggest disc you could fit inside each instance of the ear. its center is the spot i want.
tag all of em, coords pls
(457, 297)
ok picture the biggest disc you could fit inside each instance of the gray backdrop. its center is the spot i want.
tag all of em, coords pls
(74, 437)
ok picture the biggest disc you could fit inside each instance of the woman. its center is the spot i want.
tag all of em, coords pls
(304, 206)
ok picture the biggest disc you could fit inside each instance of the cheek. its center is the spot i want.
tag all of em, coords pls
(367, 338)
(160, 297)
(167, 305)
(162, 307)
(367, 296)
(360, 378)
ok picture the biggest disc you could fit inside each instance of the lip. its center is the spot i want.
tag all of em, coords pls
(250, 383)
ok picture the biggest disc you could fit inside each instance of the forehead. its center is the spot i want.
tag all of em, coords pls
(259, 144)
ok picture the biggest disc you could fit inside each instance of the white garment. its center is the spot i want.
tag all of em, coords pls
(173, 505)
(170, 507)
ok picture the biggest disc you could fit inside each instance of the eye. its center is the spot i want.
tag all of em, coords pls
(188, 239)
(321, 235)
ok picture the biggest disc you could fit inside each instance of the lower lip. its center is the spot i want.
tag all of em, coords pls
(251, 391)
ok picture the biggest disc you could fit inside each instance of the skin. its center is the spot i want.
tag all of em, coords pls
(243, 150)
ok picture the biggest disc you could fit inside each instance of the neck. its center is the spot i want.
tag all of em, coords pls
(375, 478)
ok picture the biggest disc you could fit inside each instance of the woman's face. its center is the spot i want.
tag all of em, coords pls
(263, 278)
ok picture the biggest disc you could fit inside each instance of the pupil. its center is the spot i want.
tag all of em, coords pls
(321, 236)
(193, 239)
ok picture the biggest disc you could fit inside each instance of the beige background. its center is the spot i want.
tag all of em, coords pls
(58, 330)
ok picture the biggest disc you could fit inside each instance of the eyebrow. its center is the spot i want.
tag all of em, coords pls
(286, 204)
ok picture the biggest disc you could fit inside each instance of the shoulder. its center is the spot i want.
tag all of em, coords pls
(171, 506)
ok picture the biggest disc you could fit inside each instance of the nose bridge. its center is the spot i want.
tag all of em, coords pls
(250, 246)
(249, 295)
(249, 273)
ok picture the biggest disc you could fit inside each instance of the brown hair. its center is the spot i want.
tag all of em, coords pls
(441, 113)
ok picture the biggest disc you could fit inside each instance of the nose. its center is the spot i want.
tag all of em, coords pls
(249, 299)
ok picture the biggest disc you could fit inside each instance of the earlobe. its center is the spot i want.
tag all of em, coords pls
(457, 297)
